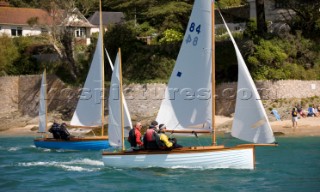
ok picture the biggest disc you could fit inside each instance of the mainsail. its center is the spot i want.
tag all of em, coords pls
(43, 104)
(89, 107)
(114, 119)
(250, 120)
(187, 101)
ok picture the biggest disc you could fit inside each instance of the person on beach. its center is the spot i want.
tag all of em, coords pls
(294, 115)
(311, 111)
(301, 112)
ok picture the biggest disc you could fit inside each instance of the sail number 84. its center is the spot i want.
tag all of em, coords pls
(193, 28)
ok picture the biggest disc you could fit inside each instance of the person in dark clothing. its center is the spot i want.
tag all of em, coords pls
(60, 131)
(294, 115)
(55, 130)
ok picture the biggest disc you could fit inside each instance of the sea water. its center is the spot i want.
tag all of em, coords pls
(292, 166)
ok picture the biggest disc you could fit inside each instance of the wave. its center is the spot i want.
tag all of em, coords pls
(80, 165)
(14, 148)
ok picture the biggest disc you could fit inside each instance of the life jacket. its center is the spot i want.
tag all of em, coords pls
(132, 138)
(150, 141)
(59, 131)
(64, 133)
(55, 130)
(160, 143)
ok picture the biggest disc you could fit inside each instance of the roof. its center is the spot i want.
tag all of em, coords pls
(107, 18)
(20, 16)
(77, 20)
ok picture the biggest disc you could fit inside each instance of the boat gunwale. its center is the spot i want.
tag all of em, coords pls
(194, 149)
(74, 139)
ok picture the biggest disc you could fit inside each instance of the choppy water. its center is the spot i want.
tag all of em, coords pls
(293, 166)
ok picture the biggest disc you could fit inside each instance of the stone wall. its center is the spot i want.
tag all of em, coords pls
(268, 90)
(9, 94)
(21, 93)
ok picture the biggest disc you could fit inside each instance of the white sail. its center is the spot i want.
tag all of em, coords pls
(250, 120)
(89, 107)
(114, 119)
(43, 104)
(187, 101)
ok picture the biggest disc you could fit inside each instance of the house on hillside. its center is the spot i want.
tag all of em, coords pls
(108, 18)
(275, 10)
(276, 14)
(29, 22)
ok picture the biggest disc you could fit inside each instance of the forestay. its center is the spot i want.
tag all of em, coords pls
(187, 101)
(250, 120)
(89, 108)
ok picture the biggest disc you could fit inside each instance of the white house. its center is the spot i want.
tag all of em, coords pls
(28, 22)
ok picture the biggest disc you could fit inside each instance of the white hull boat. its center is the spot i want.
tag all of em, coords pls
(194, 72)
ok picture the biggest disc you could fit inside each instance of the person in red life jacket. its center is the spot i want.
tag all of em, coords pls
(149, 138)
(135, 136)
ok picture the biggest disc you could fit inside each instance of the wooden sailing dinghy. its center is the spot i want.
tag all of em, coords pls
(187, 112)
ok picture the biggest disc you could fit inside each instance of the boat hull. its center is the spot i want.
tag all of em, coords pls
(236, 158)
(98, 143)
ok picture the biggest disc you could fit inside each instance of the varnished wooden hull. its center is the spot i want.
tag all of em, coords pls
(85, 143)
(239, 157)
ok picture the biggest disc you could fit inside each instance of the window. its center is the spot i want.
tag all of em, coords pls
(279, 4)
(44, 31)
(16, 31)
(80, 32)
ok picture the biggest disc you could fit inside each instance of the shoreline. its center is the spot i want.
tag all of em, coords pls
(309, 126)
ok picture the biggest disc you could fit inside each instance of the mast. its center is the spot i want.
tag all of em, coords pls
(213, 77)
(121, 101)
(102, 69)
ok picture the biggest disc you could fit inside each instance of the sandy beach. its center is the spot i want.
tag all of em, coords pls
(309, 126)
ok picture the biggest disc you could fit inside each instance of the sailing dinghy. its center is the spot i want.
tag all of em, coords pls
(89, 112)
(194, 113)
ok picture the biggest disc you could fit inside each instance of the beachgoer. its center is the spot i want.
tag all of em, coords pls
(166, 142)
(149, 138)
(315, 111)
(294, 115)
(301, 112)
(311, 111)
(135, 136)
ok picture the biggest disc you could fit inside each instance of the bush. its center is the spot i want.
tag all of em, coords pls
(9, 53)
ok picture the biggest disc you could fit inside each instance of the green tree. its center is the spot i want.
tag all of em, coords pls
(306, 17)
(162, 15)
(8, 53)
